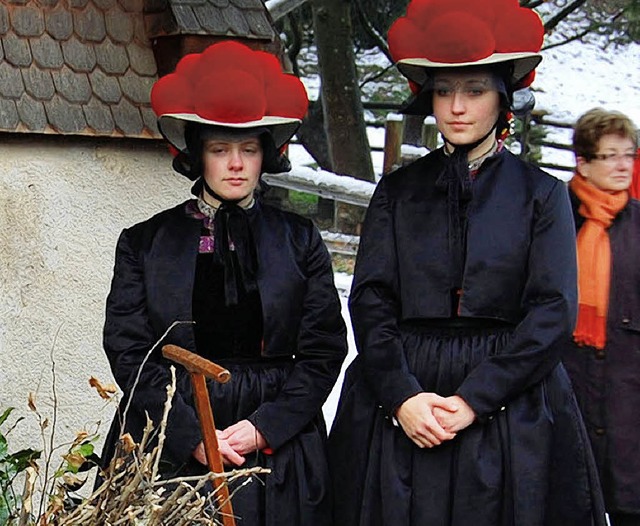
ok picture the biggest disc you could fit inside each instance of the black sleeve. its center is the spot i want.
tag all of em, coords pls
(128, 337)
(322, 347)
(549, 303)
(375, 307)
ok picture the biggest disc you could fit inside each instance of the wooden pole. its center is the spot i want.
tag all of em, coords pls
(430, 135)
(210, 439)
(200, 369)
(392, 142)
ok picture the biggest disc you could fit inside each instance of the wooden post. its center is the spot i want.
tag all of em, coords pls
(430, 134)
(392, 142)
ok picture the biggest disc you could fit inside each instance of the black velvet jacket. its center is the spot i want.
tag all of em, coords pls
(520, 269)
(152, 288)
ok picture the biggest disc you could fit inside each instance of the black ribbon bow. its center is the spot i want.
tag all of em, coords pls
(235, 249)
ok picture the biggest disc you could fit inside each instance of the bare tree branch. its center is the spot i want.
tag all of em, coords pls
(372, 31)
(531, 4)
(376, 76)
(296, 42)
(575, 37)
(562, 14)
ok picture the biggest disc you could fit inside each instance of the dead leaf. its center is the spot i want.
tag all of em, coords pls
(105, 391)
(73, 482)
(128, 443)
(74, 459)
(32, 401)
(80, 437)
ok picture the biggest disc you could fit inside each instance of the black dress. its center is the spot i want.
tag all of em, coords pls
(165, 271)
(492, 339)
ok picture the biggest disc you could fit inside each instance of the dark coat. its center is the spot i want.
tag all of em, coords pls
(526, 460)
(607, 382)
(152, 288)
(518, 270)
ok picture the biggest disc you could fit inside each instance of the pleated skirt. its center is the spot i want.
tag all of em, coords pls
(527, 465)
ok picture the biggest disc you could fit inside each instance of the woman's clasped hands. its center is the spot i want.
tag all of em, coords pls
(429, 419)
(234, 443)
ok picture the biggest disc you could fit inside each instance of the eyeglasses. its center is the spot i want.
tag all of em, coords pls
(614, 157)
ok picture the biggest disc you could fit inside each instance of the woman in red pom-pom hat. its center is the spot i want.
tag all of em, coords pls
(457, 411)
(256, 281)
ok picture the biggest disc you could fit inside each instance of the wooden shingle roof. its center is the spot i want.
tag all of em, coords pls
(86, 67)
(232, 18)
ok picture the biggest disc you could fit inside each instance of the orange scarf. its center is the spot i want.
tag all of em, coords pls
(635, 184)
(599, 208)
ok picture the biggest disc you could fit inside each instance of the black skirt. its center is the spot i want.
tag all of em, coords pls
(297, 491)
(527, 465)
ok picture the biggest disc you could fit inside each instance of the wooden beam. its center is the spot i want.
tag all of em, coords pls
(280, 8)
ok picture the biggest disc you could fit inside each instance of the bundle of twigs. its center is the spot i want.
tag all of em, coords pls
(133, 493)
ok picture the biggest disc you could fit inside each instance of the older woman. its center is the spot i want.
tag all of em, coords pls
(603, 357)
(256, 281)
(456, 410)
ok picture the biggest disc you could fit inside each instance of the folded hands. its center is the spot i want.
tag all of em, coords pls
(429, 419)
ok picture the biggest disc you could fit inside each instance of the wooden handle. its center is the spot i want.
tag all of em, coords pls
(194, 363)
(210, 439)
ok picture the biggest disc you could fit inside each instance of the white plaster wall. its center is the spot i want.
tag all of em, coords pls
(63, 203)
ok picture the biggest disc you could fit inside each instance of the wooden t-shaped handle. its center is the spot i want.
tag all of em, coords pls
(199, 368)
(194, 363)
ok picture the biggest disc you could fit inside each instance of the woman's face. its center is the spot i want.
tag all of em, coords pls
(466, 105)
(612, 167)
(232, 168)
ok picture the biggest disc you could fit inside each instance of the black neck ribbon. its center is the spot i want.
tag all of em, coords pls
(455, 179)
(234, 247)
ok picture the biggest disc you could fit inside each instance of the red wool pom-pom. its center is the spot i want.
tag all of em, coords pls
(230, 96)
(422, 12)
(172, 94)
(286, 97)
(495, 8)
(229, 55)
(187, 64)
(405, 40)
(519, 30)
(269, 64)
(458, 37)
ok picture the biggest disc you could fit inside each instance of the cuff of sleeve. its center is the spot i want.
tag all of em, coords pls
(266, 423)
(183, 436)
(393, 389)
(482, 406)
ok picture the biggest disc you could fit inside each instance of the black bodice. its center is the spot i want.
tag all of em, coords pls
(222, 331)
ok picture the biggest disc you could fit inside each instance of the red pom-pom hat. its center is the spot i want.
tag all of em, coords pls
(233, 86)
(459, 33)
